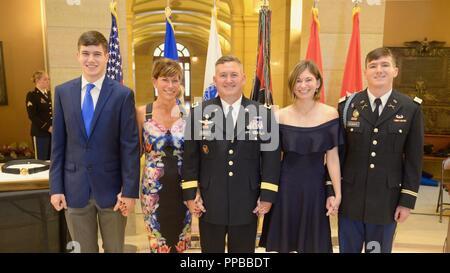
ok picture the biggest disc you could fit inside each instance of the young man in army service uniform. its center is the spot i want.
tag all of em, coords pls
(226, 158)
(382, 158)
(39, 108)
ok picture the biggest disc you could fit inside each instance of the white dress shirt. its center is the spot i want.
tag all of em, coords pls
(236, 106)
(44, 92)
(95, 92)
(383, 99)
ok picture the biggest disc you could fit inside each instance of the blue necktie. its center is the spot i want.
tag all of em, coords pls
(87, 109)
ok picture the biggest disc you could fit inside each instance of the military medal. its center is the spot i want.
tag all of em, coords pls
(392, 106)
(255, 124)
(206, 123)
(399, 118)
(355, 115)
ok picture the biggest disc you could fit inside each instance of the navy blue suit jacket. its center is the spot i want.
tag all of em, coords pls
(105, 163)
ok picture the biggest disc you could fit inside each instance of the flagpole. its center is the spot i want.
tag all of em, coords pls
(215, 11)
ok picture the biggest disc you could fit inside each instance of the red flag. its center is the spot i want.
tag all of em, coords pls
(313, 52)
(262, 85)
(352, 80)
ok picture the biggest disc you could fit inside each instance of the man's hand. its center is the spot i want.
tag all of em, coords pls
(125, 204)
(401, 214)
(262, 207)
(196, 206)
(199, 204)
(50, 130)
(58, 201)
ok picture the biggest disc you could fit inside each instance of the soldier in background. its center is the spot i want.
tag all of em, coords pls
(382, 162)
(39, 108)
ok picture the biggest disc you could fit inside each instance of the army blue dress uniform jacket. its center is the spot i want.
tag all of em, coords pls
(231, 174)
(39, 108)
(382, 160)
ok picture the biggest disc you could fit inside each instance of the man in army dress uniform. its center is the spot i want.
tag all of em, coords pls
(226, 158)
(382, 163)
(39, 108)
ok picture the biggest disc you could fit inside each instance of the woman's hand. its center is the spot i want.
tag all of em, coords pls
(332, 205)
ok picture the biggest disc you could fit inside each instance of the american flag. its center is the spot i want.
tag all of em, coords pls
(114, 67)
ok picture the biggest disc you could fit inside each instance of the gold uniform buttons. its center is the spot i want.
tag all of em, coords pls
(230, 174)
(372, 166)
(374, 142)
(230, 163)
(373, 154)
(230, 151)
(375, 130)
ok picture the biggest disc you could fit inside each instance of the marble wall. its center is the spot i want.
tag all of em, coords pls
(64, 25)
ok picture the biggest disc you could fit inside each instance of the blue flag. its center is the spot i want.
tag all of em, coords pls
(170, 44)
(114, 66)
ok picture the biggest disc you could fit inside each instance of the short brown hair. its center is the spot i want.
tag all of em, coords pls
(38, 75)
(93, 37)
(378, 53)
(165, 67)
(227, 59)
(298, 69)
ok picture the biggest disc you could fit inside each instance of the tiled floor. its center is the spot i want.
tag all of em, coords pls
(421, 233)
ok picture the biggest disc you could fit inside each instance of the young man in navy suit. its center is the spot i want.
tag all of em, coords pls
(94, 169)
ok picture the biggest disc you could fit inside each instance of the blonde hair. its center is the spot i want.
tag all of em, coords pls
(181, 94)
(38, 75)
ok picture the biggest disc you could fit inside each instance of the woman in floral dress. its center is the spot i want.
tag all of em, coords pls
(161, 125)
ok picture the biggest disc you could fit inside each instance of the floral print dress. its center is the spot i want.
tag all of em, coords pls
(166, 217)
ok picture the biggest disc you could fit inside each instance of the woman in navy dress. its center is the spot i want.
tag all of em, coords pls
(310, 135)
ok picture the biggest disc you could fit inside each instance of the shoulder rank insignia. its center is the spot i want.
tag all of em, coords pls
(417, 100)
(195, 104)
(342, 99)
(29, 103)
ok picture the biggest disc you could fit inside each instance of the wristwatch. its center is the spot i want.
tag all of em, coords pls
(25, 171)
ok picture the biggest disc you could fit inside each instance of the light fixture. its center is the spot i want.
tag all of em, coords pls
(73, 2)
(194, 59)
(257, 5)
(374, 2)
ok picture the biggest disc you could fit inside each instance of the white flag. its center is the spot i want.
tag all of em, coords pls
(214, 53)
